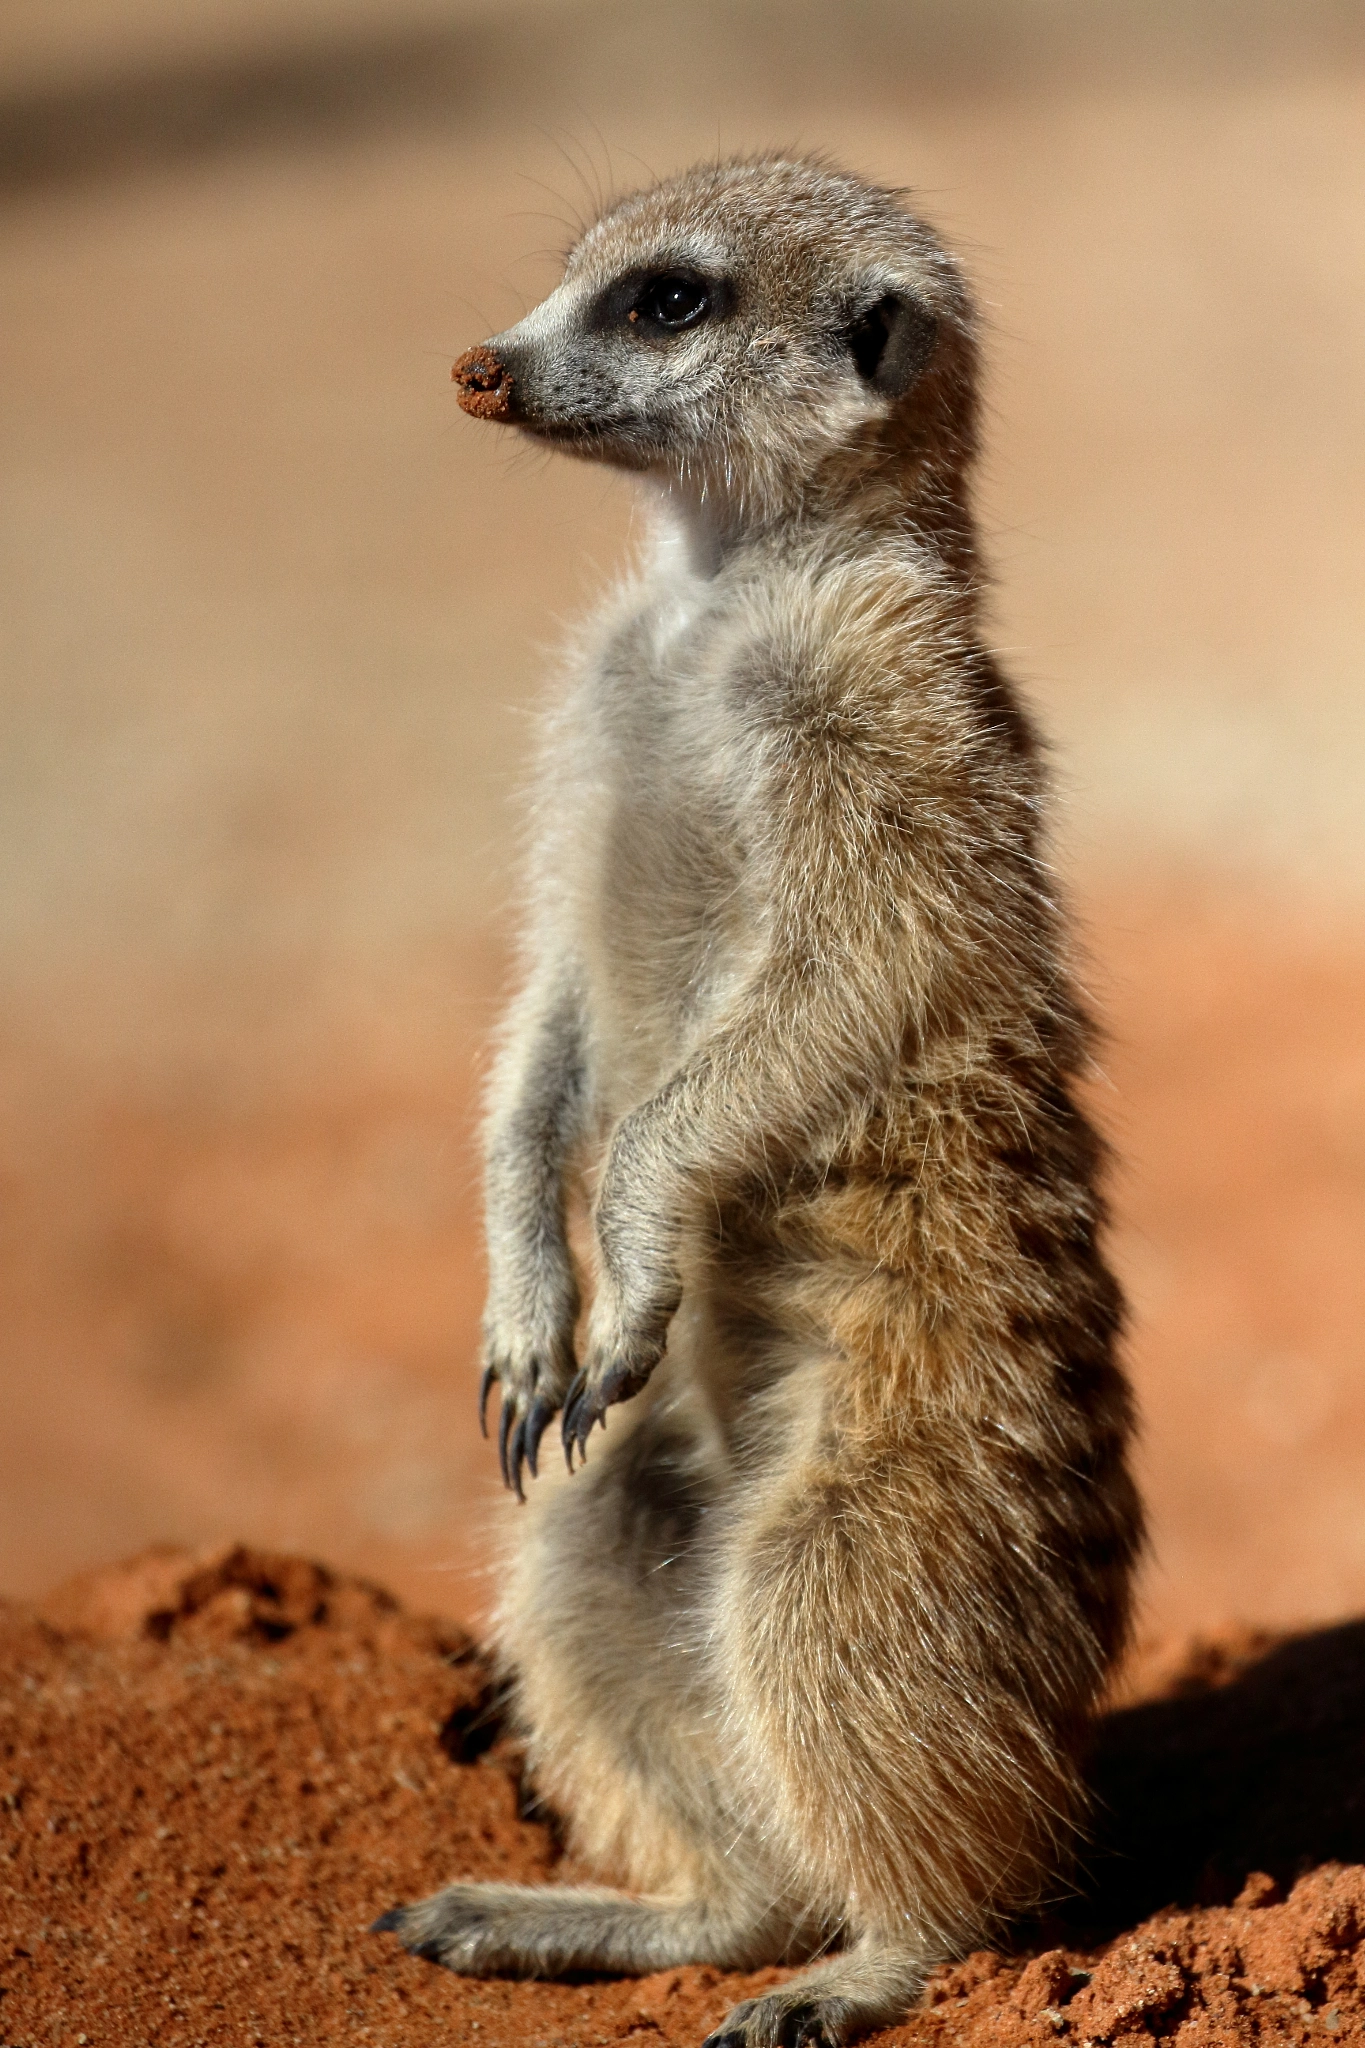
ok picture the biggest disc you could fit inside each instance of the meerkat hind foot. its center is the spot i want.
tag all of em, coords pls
(508, 1930)
(870, 1986)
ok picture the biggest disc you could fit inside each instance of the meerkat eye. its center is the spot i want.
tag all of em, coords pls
(672, 300)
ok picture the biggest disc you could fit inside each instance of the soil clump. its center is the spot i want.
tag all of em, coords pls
(215, 1771)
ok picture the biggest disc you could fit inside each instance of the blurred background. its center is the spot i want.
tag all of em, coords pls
(273, 617)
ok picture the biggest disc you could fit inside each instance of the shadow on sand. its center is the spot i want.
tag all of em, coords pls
(1196, 1792)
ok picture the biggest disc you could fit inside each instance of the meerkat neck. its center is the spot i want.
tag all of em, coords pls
(702, 530)
(695, 531)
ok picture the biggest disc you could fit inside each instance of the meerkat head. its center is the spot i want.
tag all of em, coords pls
(750, 332)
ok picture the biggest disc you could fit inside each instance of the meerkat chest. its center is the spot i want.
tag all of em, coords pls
(667, 921)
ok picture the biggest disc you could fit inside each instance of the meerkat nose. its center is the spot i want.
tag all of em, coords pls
(485, 384)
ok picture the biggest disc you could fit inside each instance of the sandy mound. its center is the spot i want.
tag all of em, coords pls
(215, 1771)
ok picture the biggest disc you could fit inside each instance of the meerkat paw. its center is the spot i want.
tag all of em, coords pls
(532, 1380)
(872, 1984)
(786, 2019)
(622, 1351)
(458, 1927)
(593, 1391)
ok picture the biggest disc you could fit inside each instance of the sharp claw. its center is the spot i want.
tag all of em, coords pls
(586, 1413)
(515, 1456)
(490, 1373)
(568, 1419)
(505, 1420)
(815, 2034)
(536, 1423)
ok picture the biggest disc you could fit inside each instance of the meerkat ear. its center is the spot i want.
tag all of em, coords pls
(891, 343)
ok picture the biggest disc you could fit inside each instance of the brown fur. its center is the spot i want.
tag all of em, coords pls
(805, 1652)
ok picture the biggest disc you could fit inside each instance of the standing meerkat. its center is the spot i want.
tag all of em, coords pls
(804, 1653)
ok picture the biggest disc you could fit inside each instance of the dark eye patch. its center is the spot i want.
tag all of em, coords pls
(662, 301)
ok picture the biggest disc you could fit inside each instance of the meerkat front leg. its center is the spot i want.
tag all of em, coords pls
(535, 1117)
(638, 1218)
(739, 1105)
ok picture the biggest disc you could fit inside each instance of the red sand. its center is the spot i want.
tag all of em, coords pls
(215, 1772)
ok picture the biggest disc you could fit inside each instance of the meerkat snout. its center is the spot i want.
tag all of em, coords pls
(485, 384)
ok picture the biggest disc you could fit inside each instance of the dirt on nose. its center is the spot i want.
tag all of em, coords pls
(485, 384)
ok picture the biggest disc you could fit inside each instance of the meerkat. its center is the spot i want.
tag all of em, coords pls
(804, 1652)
